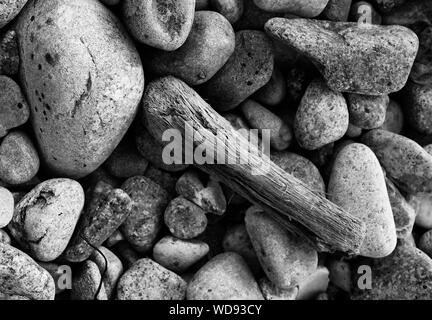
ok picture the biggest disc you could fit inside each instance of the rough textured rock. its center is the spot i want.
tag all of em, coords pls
(394, 120)
(83, 82)
(357, 185)
(9, 9)
(337, 10)
(367, 112)
(21, 276)
(417, 104)
(406, 162)
(9, 57)
(225, 277)
(341, 51)
(45, 219)
(147, 280)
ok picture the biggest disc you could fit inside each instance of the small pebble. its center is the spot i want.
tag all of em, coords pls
(417, 104)
(163, 24)
(274, 92)
(6, 207)
(406, 162)
(271, 292)
(285, 258)
(353, 131)
(248, 69)
(307, 9)
(422, 205)
(9, 57)
(337, 10)
(184, 219)
(394, 120)
(45, 219)
(367, 112)
(142, 226)
(421, 72)
(4, 237)
(261, 118)
(340, 273)
(21, 276)
(85, 284)
(178, 255)
(147, 280)
(167, 180)
(425, 243)
(314, 285)
(321, 118)
(357, 185)
(341, 52)
(232, 10)
(19, 160)
(225, 277)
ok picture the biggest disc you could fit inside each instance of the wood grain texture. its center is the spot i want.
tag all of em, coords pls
(169, 103)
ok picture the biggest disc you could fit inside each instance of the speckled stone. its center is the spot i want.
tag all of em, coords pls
(45, 219)
(248, 69)
(225, 277)
(285, 258)
(394, 120)
(9, 9)
(307, 9)
(406, 162)
(163, 24)
(301, 168)
(232, 10)
(405, 275)
(184, 219)
(425, 243)
(271, 292)
(337, 10)
(357, 185)
(85, 284)
(142, 226)
(21, 276)
(6, 207)
(19, 160)
(178, 255)
(341, 51)
(9, 57)
(417, 104)
(274, 91)
(4, 237)
(367, 112)
(147, 280)
(321, 118)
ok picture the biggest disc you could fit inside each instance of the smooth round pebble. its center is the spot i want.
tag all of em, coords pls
(4, 237)
(6, 207)
(178, 255)
(225, 277)
(147, 280)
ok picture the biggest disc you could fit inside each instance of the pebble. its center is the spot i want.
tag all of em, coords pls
(321, 118)
(367, 112)
(261, 118)
(21, 276)
(271, 292)
(422, 205)
(147, 280)
(337, 10)
(112, 264)
(341, 52)
(225, 277)
(142, 226)
(4, 237)
(417, 103)
(248, 69)
(340, 273)
(178, 255)
(314, 285)
(167, 180)
(403, 213)
(274, 91)
(353, 131)
(107, 210)
(163, 24)
(125, 161)
(394, 120)
(86, 283)
(425, 243)
(286, 259)
(357, 185)
(45, 219)
(184, 219)
(9, 9)
(6, 207)
(14, 110)
(115, 238)
(19, 161)
(404, 275)
(9, 57)
(210, 44)
(210, 198)
(232, 10)
(305, 9)
(407, 164)
(301, 168)
(421, 72)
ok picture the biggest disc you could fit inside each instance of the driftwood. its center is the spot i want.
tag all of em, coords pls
(169, 104)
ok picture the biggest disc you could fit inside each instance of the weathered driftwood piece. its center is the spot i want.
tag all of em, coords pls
(169, 104)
